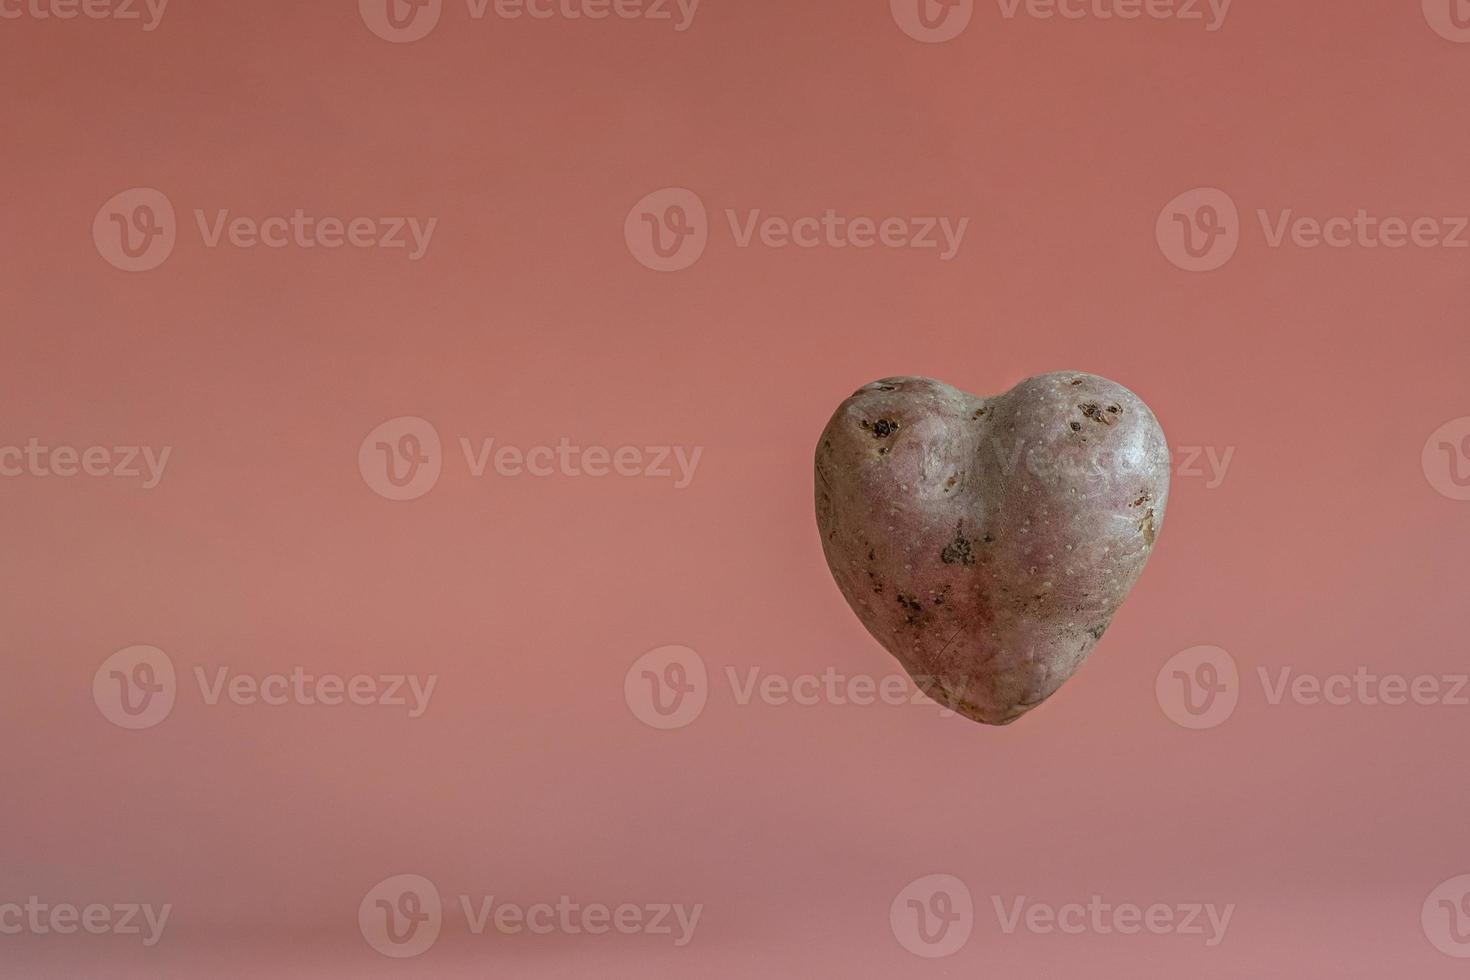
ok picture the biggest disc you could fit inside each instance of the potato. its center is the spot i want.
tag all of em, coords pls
(987, 542)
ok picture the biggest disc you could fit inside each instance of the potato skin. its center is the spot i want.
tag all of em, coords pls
(987, 542)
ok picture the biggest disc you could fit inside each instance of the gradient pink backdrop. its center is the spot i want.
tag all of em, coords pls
(1324, 549)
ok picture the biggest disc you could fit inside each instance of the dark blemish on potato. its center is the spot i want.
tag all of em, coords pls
(1116, 409)
(883, 451)
(949, 484)
(979, 413)
(1092, 411)
(913, 606)
(872, 555)
(988, 539)
(1076, 381)
(958, 552)
(883, 428)
(887, 387)
(1097, 631)
(1145, 498)
(877, 585)
(866, 424)
(1147, 526)
(1076, 426)
(826, 512)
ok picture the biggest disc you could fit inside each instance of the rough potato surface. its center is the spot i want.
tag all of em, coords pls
(987, 542)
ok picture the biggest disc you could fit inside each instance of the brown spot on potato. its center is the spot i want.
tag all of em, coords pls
(958, 552)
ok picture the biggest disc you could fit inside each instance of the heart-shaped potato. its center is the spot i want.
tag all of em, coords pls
(987, 542)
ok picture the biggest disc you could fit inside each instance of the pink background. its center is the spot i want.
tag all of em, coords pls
(1324, 549)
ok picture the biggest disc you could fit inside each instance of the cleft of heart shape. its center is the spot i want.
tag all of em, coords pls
(987, 542)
